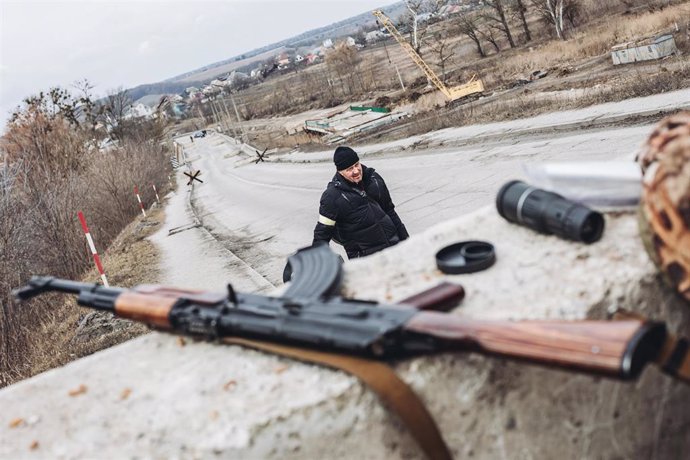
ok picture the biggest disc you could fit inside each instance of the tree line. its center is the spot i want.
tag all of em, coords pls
(497, 24)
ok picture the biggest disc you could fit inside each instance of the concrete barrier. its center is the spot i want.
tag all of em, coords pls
(160, 397)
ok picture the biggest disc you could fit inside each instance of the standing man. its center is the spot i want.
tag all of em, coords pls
(356, 209)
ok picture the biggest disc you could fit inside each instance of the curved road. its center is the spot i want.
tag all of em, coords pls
(263, 212)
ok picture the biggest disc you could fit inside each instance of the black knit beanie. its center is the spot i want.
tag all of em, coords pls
(344, 157)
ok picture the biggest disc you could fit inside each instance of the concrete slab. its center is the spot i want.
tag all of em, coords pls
(156, 397)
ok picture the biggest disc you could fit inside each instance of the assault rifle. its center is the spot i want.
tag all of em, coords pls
(309, 314)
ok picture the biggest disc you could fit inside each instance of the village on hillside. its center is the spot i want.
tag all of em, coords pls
(284, 61)
(339, 68)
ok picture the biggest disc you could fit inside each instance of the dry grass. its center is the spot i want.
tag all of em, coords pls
(596, 39)
(49, 173)
(526, 103)
(70, 332)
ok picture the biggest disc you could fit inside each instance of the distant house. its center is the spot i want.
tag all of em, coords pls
(424, 17)
(350, 41)
(644, 50)
(208, 90)
(374, 35)
(311, 58)
(299, 58)
(327, 43)
(448, 10)
(236, 79)
(139, 111)
(218, 82)
(283, 60)
(179, 109)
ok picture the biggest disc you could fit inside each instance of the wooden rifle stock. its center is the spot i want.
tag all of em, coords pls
(443, 297)
(612, 348)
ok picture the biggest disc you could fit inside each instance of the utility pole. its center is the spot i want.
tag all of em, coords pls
(402, 85)
(228, 118)
(237, 114)
(221, 115)
(214, 111)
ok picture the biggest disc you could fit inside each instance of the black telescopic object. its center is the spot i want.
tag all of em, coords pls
(548, 212)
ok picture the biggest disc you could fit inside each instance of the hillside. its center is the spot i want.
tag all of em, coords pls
(246, 60)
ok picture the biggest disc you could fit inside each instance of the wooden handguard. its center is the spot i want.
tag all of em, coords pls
(612, 348)
(150, 309)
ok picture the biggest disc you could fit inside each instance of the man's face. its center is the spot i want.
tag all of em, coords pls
(353, 173)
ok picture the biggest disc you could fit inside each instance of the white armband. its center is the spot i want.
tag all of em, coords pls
(326, 221)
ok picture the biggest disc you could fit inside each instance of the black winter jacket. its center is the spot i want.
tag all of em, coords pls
(361, 216)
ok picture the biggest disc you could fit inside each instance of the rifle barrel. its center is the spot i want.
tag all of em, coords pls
(90, 294)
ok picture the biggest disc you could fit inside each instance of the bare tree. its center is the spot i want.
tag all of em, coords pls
(48, 171)
(88, 108)
(411, 21)
(554, 12)
(498, 18)
(114, 112)
(488, 33)
(343, 62)
(44, 140)
(571, 12)
(519, 8)
(469, 25)
(60, 102)
(443, 51)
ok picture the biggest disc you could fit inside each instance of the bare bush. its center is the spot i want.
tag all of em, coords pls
(50, 172)
(343, 65)
(111, 201)
(496, 16)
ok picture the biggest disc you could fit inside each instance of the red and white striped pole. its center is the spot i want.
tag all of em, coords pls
(156, 192)
(141, 205)
(93, 248)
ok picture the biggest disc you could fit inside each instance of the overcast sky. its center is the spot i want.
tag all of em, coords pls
(127, 43)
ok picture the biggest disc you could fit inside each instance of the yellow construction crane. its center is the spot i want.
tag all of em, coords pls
(475, 85)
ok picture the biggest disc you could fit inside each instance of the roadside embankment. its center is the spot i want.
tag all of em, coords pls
(645, 110)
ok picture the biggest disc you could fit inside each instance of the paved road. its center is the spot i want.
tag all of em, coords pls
(263, 212)
(255, 215)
